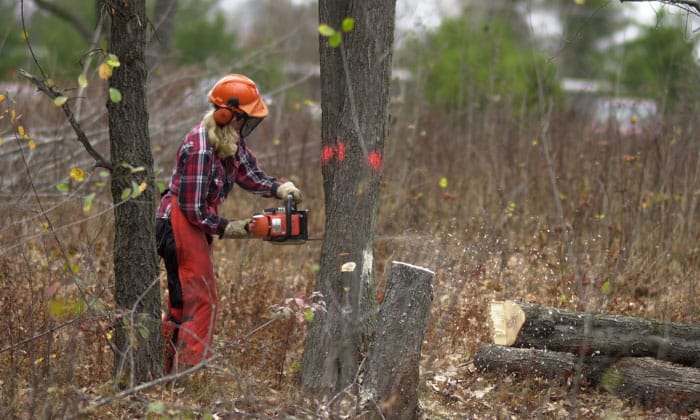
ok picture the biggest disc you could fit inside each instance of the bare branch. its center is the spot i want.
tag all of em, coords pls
(67, 16)
(82, 138)
(695, 4)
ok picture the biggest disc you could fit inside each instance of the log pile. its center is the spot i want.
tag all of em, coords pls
(657, 363)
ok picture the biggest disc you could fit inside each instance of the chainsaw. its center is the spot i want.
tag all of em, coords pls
(281, 225)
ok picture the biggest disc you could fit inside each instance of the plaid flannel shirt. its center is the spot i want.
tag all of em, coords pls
(201, 180)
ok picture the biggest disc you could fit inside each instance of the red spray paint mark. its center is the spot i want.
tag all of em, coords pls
(328, 153)
(341, 151)
(375, 160)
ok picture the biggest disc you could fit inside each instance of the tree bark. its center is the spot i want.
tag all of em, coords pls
(355, 82)
(137, 290)
(392, 373)
(610, 335)
(653, 383)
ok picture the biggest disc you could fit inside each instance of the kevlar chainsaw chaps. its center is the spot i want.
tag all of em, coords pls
(281, 225)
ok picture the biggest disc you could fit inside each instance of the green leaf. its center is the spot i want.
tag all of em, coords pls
(161, 186)
(60, 100)
(135, 189)
(114, 95)
(611, 380)
(315, 267)
(143, 331)
(309, 315)
(112, 60)
(606, 288)
(104, 174)
(335, 39)
(156, 407)
(132, 169)
(126, 193)
(87, 203)
(443, 182)
(348, 24)
(325, 30)
(82, 80)
(62, 187)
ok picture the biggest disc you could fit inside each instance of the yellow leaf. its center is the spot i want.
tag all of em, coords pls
(105, 71)
(60, 100)
(77, 174)
(580, 2)
(143, 186)
(443, 182)
(20, 130)
(32, 144)
(2, 97)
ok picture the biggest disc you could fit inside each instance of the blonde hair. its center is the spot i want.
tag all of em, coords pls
(224, 139)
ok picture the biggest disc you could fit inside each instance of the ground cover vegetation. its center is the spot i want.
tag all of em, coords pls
(496, 184)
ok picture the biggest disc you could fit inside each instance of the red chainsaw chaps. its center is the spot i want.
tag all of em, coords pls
(199, 297)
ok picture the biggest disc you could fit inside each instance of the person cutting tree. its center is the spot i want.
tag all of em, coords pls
(211, 159)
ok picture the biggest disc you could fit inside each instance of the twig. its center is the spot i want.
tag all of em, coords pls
(695, 4)
(144, 386)
(82, 137)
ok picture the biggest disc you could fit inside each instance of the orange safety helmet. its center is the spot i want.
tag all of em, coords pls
(236, 94)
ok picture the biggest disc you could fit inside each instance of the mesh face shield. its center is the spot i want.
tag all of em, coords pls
(249, 124)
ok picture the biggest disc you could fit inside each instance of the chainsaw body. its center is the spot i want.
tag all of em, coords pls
(281, 225)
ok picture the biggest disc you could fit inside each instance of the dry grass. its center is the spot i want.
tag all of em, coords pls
(628, 206)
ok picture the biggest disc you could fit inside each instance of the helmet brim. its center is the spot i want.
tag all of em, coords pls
(257, 109)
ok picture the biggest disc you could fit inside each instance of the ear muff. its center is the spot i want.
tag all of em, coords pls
(223, 116)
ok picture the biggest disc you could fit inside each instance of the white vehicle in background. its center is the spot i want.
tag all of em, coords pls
(629, 117)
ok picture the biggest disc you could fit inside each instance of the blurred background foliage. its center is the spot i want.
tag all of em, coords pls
(492, 51)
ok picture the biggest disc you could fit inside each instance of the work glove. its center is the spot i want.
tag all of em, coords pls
(289, 188)
(237, 229)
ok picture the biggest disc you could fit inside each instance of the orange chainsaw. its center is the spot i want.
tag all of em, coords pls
(281, 225)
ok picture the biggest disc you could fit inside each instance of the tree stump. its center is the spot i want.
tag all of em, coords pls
(653, 383)
(392, 372)
(520, 324)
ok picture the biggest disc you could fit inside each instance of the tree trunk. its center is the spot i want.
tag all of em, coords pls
(392, 375)
(611, 335)
(137, 290)
(355, 82)
(654, 383)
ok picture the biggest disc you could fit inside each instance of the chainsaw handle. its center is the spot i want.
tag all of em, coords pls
(289, 205)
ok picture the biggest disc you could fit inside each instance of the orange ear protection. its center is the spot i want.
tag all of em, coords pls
(224, 114)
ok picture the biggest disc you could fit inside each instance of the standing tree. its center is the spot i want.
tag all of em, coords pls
(355, 82)
(138, 339)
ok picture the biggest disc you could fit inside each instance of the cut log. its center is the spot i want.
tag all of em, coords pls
(653, 383)
(581, 333)
(392, 371)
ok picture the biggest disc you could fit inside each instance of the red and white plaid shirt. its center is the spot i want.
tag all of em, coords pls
(201, 180)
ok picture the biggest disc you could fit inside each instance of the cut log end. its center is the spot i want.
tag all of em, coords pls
(505, 320)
